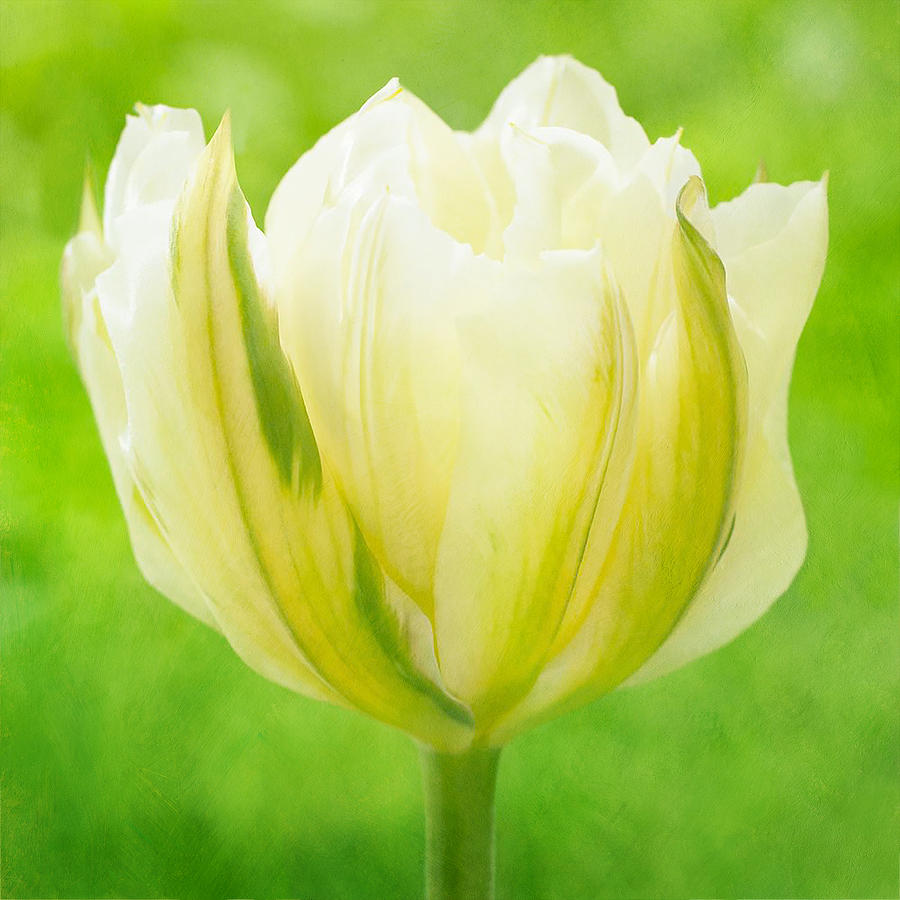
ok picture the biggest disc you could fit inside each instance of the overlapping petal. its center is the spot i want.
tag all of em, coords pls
(679, 506)
(772, 240)
(560, 91)
(219, 444)
(546, 395)
(485, 425)
(85, 257)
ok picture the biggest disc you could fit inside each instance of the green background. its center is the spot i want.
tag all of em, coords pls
(142, 759)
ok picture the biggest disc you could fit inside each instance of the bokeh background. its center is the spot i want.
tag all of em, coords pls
(142, 759)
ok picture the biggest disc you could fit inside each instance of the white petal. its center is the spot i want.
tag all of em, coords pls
(370, 331)
(394, 143)
(773, 242)
(691, 420)
(559, 90)
(368, 287)
(569, 194)
(86, 256)
(669, 166)
(152, 159)
(223, 454)
(561, 181)
(546, 372)
(151, 550)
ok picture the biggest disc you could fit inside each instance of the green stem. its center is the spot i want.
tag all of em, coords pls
(459, 823)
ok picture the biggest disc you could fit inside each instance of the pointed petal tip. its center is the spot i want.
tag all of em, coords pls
(89, 217)
(392, 89)
(559, 59)
(220, 149)
(692, 192)
(223, 131)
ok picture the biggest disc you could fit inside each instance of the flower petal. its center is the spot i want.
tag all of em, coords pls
(546, 375)
(157, 147)
(396, 143)
(559, 90)
(85, 257)
(368, 292)
(561, 181)
(248, 506)
(678, 510)
(773, 241)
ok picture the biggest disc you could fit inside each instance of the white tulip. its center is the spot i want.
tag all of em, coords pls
(485, 425)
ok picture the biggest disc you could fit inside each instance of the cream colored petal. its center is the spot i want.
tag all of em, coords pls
(370, 330)
(151, 550)
(570, 194)
(691, 421)
(559, 90)
(156, 149)
(561, 180)
(546, 372)
(315, 181)
(86, 256)
(394, 143)
(368, 291)
(220, 443)
(773, 242)
(560, 94)
(668, 166)
(633, 224)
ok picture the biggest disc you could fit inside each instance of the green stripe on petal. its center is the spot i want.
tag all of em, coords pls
(547, 372)
(373, 609)
(318, 578)
(279, 401)
(680, 503)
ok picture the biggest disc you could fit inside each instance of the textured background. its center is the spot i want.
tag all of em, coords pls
(142, 759)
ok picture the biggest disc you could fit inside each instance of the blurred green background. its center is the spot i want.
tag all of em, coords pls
(142, 759)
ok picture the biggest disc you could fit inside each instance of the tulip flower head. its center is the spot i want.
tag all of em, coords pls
(482, 426)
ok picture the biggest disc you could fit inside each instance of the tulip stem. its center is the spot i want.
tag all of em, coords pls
(459, 823)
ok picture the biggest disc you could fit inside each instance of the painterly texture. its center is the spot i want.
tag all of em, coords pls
(639, 720)
(483, 426)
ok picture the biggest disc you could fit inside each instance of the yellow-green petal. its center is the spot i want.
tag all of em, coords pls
(225, 457)
(679, 507)
(547, 376)
(772, 240)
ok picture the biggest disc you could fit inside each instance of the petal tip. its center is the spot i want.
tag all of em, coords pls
(692, 192)
(89, 217)
(223, 131)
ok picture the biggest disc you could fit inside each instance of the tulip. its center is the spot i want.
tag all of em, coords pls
(484, 425)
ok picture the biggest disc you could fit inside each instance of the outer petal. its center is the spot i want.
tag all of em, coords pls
(85, 257)
(220, 444)
(156, 149)
(368, 292)
(678, 510)
(773, 241)
(547, 378)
